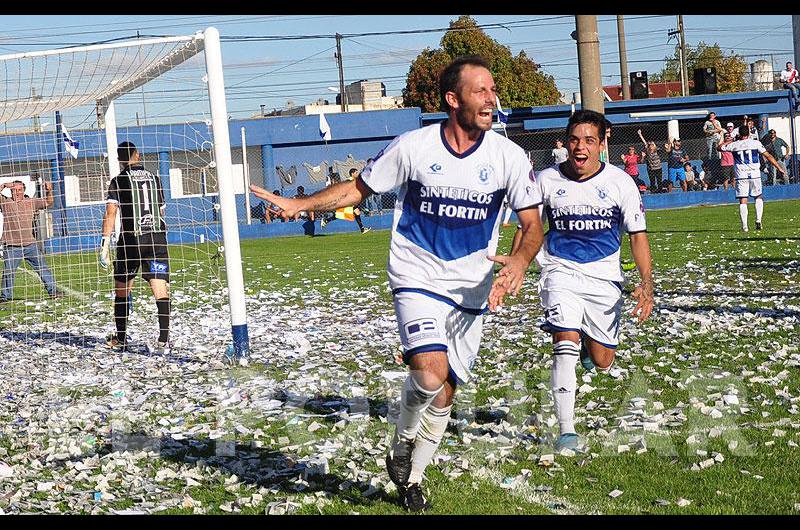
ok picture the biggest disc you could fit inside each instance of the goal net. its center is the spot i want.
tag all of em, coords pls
(62, 115)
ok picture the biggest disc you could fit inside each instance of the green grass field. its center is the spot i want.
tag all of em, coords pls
(700, 415)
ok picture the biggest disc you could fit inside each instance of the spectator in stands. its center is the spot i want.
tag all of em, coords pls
(677, 157)
(690, 182)
(301, 192)
(373, 202)
(18, 238)
(791, 80)
(751, 124)
(713, 130)
(703, 175)
(726, 164)
(259, 212)
(631, 161)
(731, 129)
(604, 152)
(559, 153)
(654, 170)
(775, 146)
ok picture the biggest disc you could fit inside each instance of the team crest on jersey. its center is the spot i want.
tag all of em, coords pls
(602, 193)
(485, 172)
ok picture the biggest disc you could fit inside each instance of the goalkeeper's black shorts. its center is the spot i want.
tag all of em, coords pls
(148, 251)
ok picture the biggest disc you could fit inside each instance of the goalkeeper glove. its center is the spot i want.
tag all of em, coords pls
(105, 252)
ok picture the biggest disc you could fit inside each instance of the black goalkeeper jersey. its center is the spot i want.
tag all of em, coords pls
(140, 197)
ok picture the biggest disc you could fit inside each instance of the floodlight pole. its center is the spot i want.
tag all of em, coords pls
(227, 198)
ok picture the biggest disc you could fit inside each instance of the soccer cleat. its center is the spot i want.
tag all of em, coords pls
(113, 342)
(58, 293)
(586, 359)
(628, 265)
(398, 462)
(163, 348)
(758, 225)
(365, 229)
(413, 499)
(567, 441)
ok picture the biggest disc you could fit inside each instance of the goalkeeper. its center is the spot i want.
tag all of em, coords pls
(137, 195)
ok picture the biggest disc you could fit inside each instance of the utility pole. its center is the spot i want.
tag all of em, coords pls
(796, 38)
(623, 58)
(589, 62)
(341, 71)
(684, 73)
(681, 56)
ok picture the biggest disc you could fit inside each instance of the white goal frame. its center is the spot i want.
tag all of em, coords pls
(188, 46)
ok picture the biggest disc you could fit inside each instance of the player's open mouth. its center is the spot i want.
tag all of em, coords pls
(580, 160)
(485, 114)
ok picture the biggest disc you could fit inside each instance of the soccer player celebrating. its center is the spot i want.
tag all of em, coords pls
(138, 195)
(747, 170)
(453, 178)
(587, 204)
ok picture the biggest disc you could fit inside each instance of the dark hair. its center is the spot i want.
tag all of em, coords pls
(451, 76)
(300, 188)
(352, 170)
(709, 115)
(125, 152)
(276, 192)
(589, 116)
(744, 130)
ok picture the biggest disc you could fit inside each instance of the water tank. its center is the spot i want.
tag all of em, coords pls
(762, 75)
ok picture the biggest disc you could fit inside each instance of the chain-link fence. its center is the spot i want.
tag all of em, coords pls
(702, 153)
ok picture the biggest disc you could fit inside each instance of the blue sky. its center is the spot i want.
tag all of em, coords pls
(272, 73)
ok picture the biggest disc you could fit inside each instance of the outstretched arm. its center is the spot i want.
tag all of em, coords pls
(348, 193)
(640, 248)
(774, 162)
(511, 276)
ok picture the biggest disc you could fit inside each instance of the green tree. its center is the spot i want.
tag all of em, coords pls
(731, 68)
(520, 83)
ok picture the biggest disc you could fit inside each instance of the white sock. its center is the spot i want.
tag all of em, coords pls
(413, 401)
(507, 216)
(759, 209)
(564, 382)
(433, 424)
(743, 215)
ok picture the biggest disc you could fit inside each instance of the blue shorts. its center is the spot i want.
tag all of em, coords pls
(676, 173)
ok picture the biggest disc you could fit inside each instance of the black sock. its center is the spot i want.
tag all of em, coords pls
(121, 316)
(358, 220)
(163, 319)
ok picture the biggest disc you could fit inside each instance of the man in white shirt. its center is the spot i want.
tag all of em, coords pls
(747, 153)
(559, 153)
(791, 80)
(588, 204)
(452, 179)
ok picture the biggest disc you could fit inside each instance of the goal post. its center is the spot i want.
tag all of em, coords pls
(95, 91)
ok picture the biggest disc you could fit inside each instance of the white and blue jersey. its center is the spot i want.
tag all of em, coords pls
(746, 158)
(447, 212)
(586, 219)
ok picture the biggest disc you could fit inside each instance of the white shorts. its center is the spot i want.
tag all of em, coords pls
(750, 187)
(573, 301)
(430, 322)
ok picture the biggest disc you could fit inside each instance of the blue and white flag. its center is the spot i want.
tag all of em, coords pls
(324, 128)
(502, 116)
(69, 144)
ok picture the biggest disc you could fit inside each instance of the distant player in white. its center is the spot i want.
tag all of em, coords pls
(747, 151)
(452, 178)
(588, 204)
